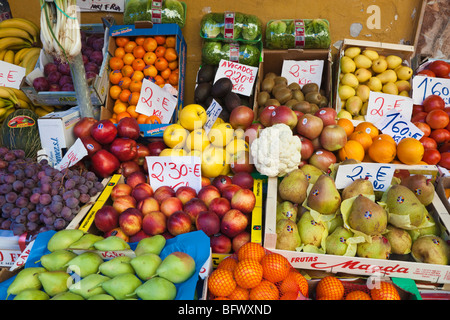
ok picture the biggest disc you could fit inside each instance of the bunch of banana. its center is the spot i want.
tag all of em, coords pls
(12, 99)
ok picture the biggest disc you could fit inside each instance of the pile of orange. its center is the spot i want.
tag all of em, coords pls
(256, 274)
(151, 57)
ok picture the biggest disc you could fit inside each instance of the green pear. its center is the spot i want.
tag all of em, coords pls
(375, 84)
(363, 91)
(288, 237)
(404, 73)
(323, 196)
(89, 286)
(116, 266)
(293, 186)
(347, 65)
(354, 105)
(64, 238)
(157, 289)
(153, 244)
(403, 202)
(386, 76)
(102, 296)
(145, 265)
(27, 278)
(352, 52)
(367, 216)
(433, 229)
(56, 260)
(379, 65)
(431, 249)
(357, 187)
(390, 88)
(337, 221)
(286, 210)
(111, 243)
(362, 75)
(350, 80)
(362, 61)
(55, 282)
(346, 92)
(393, 61)
(422, 187)
(364, 108)
(85, 264)
(86, 242)
(177, 267)
(336, 242)
(311, 172)
(378, 248)
(371, 54)
(399, 239)
(67, 296)
(32, 294)
(122, 286)
(310, 231)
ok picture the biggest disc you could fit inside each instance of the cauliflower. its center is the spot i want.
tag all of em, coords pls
(277, 151)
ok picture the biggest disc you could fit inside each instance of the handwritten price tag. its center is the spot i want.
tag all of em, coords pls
(155, 101)
(242, 76)
(11, 75)
(427, 86)
(101, 5)
(213, 113)
(381, 103)
(399, 128)
(380, 174)
(76, 152)
(174, 172)
(303, 72)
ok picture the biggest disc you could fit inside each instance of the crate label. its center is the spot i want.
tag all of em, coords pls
(426, 86)
(76, 152)
(380, 174)
(381, 103)
(101, 5)
(213, 113)
(11, 75)
(303, 71)
(398, 127)
(242, 76)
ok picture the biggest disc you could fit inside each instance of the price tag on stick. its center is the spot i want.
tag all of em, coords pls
(213, 113)
(303, 72)
(242, 76)
(380, 174)
(174, 172)
(399, 128)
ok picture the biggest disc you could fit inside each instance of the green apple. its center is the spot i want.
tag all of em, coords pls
(193, 116)
(221, 134)
(212, 161)
(175, 135)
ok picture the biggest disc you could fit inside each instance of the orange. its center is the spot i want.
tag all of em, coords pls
(221, 283)
(137, 76)
(119, 52)
(122, 41)
(139, 52)
(165, 73)
(141, 118)
(173, 79)
(251, 250)
(294, 282)
(124, 95)
(127, 71)
(248, 273)
(122, 115)
(113, 120)
(266, 290)
(357, 295)
(150, 71)
(120, 107)
(149, 58)
(128, 59)
(384, 291)
(275, 267)
(410, 151)
(160, 51)
(239, 294)
(161, 64)
(135, 86)
(382, 151)
(386, 137)
(160, 80)
(160, 39)
(139, 40)
(114, 91)
(115, 76)
(129, 46)
(125, 82)
(173, 65)
(347, 125)
(150, 44)
(138, 64)
(132, 111)
(228, 263)
(367, 127)
(362, 137)
(116, 63)
(289, 296)
(331, 288)
(152, 120)
(170, 54)
(171, 41)
(133, 99)
(352, 150)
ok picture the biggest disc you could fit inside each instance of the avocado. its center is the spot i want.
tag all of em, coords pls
(202, 91)
(206, 73)
(232, 100)
(221, 87)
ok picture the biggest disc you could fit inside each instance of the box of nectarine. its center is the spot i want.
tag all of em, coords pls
(318, 229)
(148, 65)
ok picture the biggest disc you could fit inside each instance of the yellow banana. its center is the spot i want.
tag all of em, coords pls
(23, 104)
(31, 64)
(21, 95)
(9, 56)
(41, 112)
(23, 24)
(29, 55)
(15, 32)
(13, 43)
(48, 108)
(2, 54)
(6, 93)
(19, 55)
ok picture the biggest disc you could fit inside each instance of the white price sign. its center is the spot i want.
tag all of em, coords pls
(101, 5)
(398, 127)
(213, 113)
(11, 76)
(242, 76)
(427, 86)
(380, 174)
(382, 103)
(155, 101)
(303, 72)
(76, 152)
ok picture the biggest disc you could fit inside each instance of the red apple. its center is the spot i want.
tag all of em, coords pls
(243, 179)
(328, 115)
(309, 126)
(266, 115)
(193, 207)
(208, 222)
(285, 115)
(208, 193)
(106, 218)
(205, 181)
(220, 243)
(104, 131)
(307, 148)
(241, 117)
(220, 206)
(138, 236)
(333, 137)
(104, 163)
(185, 193)
(243, 200)
(171, 205)
(142, 191)
(241, 162)
(167, 235)
(221, 182)
(154, 223)
(156, 147)
(91, 145)
(148, 205)
(136, 178)
(239, 240)
(130, 221)
(124, 149)
(124, 202)
(229, 191)
(233, 223)
(322, 159)
(142, 152)
(164, 192)
(178, 223)
(120, 189)
(128, 167)
(117, 232)
(83, 127)
(252, 132)
(128, 127)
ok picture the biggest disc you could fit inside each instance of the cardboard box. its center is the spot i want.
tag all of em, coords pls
(442, 184)
(143, 29)
(98, 86)
(433, 273)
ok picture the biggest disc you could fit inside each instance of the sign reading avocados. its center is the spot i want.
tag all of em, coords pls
(242, 76)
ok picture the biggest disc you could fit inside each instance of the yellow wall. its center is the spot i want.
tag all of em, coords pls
(392, 21)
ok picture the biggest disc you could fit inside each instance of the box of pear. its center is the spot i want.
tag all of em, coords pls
(400, 232)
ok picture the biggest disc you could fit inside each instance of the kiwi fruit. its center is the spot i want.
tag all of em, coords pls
(313, 97)
(263, 96)
(283, 95)
(302, 106)
(298, 95)
(267, 85)
(294, 86)
(280, 80)
(272, 75)
(272, 102)
(276, 88)
(323, 102)
(310, 87)
(290, 103)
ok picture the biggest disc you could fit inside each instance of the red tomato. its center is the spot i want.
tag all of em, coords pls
(428, 143)
(426, 73)
(431, 156)
(445, 147)
(440, 68)
(433, 102)
(424, 127)
(419, 117)
(437, 119)
(445, 160)
(417, 108)
(440, 135)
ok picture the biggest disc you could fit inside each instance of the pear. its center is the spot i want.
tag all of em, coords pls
(387, 76)
(102, 296)
(367, 216)
(347, 65)
(286, 210)
(334, 223)
(122, 287)
(379, 65)
(145, 265)
(27, 278)
(336, 242)
(293, 186)
(67, 296)
(32, 294)
(375, 84)
(350, 79)
(403, 85)
(378, 248)
(311, 172)
(404, 73)
(64, 238)
(393, 61)
(354, 105)
(153, 244)
(346, 92)
(55, 282)
(56, 260)
(399, 239)
(89, 286)
(359, 117)
(371, 54)
(404, 93)
(157, 289)
(310, 231)
(85, 264)
(111, 243)
(364, 108)
(116, 266)
(343, 114)
(86, 242)
(431, 249)
(362, 61)
(422, 187)
(390, 88)
(402, 201)
(324, 197)
(352, 52)
(177, 267)
(288, 237)
(363, 75)
(433, 229)
(357, 187)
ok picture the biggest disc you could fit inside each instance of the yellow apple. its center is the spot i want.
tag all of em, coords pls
(212, 161)
(221, 134)
(237, 145)
(197, 140)
(172, 152)
(175, 135)
(193, 116)
(227, 167)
